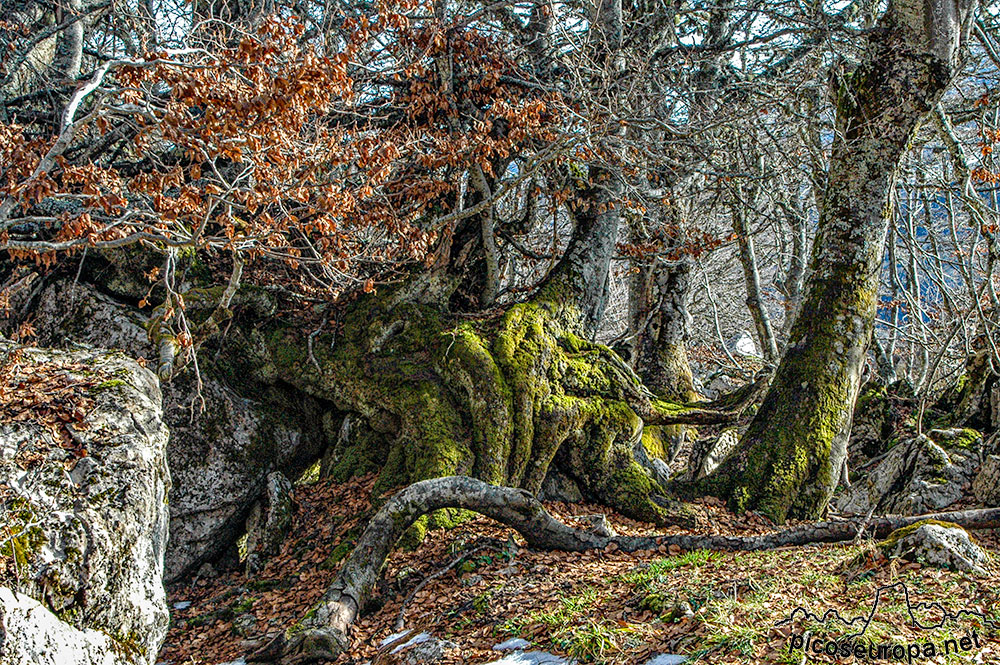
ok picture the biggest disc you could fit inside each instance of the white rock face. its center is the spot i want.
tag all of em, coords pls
(219, 461)
(94, 528)
(939, 545)
(921, 475)
(31, 635)
(718, 452)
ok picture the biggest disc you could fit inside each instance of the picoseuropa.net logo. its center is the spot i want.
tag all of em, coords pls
(856, 645)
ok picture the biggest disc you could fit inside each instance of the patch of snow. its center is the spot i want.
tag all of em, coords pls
(394, 637)
(514, 643)
(531, 658)
(744, 345)
(416, 639)
(666, 659)
(182, 605)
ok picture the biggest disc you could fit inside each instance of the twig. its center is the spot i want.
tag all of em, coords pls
(430, 578)
(309, 344)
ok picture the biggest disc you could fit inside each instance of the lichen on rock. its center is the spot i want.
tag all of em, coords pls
(921, 475)
(92, 524)
(940, 544)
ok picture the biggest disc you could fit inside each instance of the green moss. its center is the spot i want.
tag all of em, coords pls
(784, 467)
(966, 439)
(654, 602)
(497, 400)
(300, 625)
(659, 440)
(128, 647)
(414, 535)
(242, 606)
(109, 384)
(893, 538)
(366, 452)
(872, 397)
(310, 476)
(20, 536)
(270, 585)
(338, 554)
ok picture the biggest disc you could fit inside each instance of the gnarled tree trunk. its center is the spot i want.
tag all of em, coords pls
(793, 453)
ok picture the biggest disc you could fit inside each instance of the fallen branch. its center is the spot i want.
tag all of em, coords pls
(323, 633)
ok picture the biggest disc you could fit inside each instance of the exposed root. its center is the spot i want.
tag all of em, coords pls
(323, 632)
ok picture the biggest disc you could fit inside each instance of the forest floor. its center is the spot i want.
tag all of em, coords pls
(601, 607)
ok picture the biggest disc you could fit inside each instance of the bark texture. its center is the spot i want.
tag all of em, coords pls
(500, 400)
(794, 450)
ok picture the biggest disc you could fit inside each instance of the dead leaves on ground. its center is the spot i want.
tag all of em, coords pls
(609, 602)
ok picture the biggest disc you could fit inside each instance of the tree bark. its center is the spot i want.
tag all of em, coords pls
(576, 290)
(792, 455)
(658, 316)
(751, 278)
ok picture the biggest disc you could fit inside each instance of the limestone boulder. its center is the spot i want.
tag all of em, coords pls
(32, 635)
(938, 544)
(231, 422)
(269, 522)
(986, 486)
(83, 503)
(924, 474)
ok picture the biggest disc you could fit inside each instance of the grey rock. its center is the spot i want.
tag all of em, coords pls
(716, 452)
(206, 572)
(77, 314)
(96, 528)
(244, 624)
(986, 486)
(596, 524)
(557, 486)
(269, 521)
(513, 644)
(719, 384)
(219, 458)
(924, 474)
(937, 544)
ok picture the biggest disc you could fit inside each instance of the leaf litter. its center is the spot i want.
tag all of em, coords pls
(600, 606)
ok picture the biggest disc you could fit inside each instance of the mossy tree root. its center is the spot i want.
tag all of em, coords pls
(323, 633)
(501, 401)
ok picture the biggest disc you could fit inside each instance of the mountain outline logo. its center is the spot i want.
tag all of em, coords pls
(911, 608)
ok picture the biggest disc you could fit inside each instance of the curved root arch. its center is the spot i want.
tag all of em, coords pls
(323, 633)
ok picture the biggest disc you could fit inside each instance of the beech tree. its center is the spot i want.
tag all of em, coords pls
(410, 211)
(794, 452)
